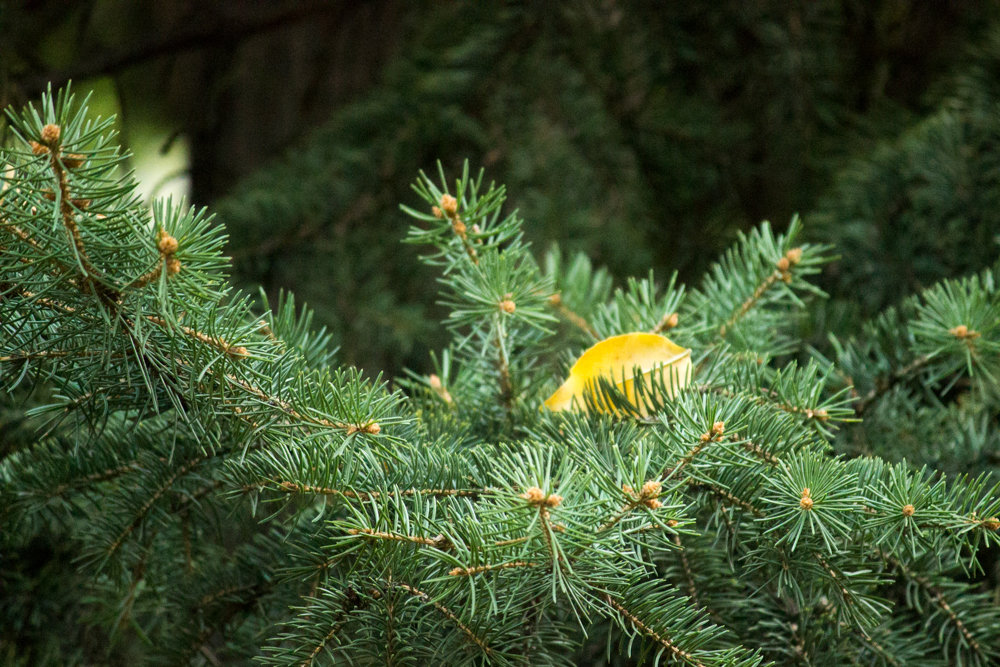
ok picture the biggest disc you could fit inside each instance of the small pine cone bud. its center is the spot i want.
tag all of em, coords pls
(434, 381)
(961, 331)
(806, 501)
(650, 489)
(718, 428)
(173, 266)
(993, 523)
(627, 489)
(908, 510)
(671, 321)
(353, 531)
(534, 495)
(72, 160)
(786, 277)
(37, 148)
(672, 523)
(653, 503)
(81, 204)
(458, 226)
(166, 243)
(555, 299)
(437, 212)
(508, 306)
(50, 134)
(476, 229)
(449, 205)
(783, 264)
(553, 500)
(373, 428)
(794, 256)
(238, 351)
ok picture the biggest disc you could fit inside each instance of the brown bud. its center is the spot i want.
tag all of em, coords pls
(50, 134)
(671, 321)
(508, 306)
(458, 226)
(553, 500)
(238, 351)
(783, 264)
(434, 381)
(37, 148)
(650, 489)
(806, 501)
(653, 503)
(166, 243)
(449, 205)
(534, 495)
(555, 299)
(437, 212)
(672, 523)
(786, 277)
(908, 510)
(627, 489)
(993, 523)
(73, 160)
(173, 266)
(794, 256)
(372, 428)
(718, 428)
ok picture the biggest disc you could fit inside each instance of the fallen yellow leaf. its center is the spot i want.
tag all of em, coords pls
(616, 359)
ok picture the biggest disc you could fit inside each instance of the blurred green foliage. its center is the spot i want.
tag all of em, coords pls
(645, 136)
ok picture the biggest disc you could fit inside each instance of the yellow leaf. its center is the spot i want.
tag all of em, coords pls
(616, 358)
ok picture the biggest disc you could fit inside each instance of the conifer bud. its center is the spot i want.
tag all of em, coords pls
(783, 264)
(794, 256)
(993, 523)
(449, 205)
(73, 160)
(173, 266)
(437, 212)
(806, 501)
(166, 243)
(50, 135)
(534, 495)
(963, 332)
(651, 489)
(37, 148)
(908, 510)
(508, 306)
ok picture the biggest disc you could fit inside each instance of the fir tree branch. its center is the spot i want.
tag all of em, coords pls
(439, 542)
(556, 302)
(886, 384)
(472, 571)
(157, 494)
(447, 613)
(938, 597)
(660, 639)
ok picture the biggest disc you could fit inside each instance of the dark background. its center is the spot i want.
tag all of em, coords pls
(645, 134)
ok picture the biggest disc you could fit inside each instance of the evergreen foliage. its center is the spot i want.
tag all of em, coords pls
(645, 135)
(229, 492)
